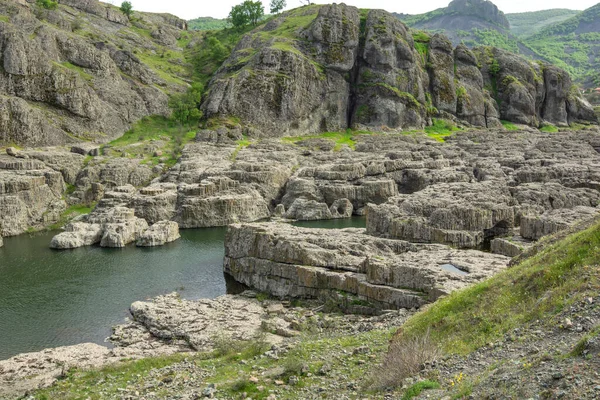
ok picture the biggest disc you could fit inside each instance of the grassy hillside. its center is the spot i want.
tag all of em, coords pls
(539, 288)
(573, 44)
(530, 23)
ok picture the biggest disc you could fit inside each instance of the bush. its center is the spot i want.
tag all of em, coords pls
(186, 106)
(406, 356)
(47, 4)
(127, 9)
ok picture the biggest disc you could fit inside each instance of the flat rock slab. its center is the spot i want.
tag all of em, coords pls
(288, 261)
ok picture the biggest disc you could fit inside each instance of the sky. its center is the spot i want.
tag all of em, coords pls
(189, 9)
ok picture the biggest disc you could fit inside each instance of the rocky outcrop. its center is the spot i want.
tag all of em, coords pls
(159, 234)
(110, 227)
(291, 262)
(58, 85)
(536, 183)
(30, 195)
(333, 73)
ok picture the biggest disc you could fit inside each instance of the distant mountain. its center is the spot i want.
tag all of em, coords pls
(207, 24)
(573, 44)
(530, 23)
(472, 22)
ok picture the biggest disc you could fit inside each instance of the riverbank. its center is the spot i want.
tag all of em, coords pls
(245, 331)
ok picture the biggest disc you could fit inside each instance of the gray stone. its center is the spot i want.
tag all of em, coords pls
(158, 234)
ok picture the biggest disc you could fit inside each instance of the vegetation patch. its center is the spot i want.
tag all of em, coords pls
(509, 126)
(441, 129)
(419, 387)
(340, 138)
(167, 135)
(548, 128)
(537, 289)
(230, 367)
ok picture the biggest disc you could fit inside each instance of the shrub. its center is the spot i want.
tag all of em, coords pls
(47, 4)
(186, 106)
(127, 9)
(405, 358)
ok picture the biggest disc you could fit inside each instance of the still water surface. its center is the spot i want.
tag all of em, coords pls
(54, 298)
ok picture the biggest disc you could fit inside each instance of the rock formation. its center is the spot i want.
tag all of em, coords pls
(328, 68)
(294, 262)
(69, 74)
(158, 234)
(30, 194)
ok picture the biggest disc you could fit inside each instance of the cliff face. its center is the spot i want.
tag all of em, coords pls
(81, 71)
(326, 68)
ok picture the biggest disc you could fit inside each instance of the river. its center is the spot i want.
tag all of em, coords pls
(52, 298)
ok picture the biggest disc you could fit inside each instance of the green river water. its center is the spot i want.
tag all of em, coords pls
(54, 298)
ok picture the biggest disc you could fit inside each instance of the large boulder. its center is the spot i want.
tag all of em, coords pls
(159, 234)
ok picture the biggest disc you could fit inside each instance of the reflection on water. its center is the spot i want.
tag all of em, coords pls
(54, 298)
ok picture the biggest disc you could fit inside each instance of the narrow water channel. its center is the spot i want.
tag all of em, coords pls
(54, 298)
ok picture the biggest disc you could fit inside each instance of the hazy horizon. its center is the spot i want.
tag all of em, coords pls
(185, 10)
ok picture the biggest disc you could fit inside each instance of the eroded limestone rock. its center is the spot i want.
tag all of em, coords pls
(294, 262)
(159, 234)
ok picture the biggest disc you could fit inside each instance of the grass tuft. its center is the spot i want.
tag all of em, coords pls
(419, 387)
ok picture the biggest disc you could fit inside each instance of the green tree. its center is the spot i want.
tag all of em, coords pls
(238, 16)
(186, 106)
(249, 12)
(277, 6)
(127, 9)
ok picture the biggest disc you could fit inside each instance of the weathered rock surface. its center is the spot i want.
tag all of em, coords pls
(334, 73)
(77, 77)
(30, 195)
(158, 234)
(115, 226)
(293, 262)
(498, 182)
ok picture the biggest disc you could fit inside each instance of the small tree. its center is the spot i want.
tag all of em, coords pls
(249, 12)
(308, 2)
(186, 106)
(238, 16)
(256, 10)
(127, 9)
(277, 6)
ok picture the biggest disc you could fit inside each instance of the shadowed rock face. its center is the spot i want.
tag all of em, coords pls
(326, 68)
(58, 85)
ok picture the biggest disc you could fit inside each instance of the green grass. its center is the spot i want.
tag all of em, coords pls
(548, 128)
(207, 24)
(241, 144)
(340, 138)
(419, 387)
(441, 129)
(173, 136)
(582, 344)
(70, 213)
(228, 372)
(536, 289)
(82, 72)
(509, 126)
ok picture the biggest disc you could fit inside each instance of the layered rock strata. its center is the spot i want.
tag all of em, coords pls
(30, 194)
(293, 262)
